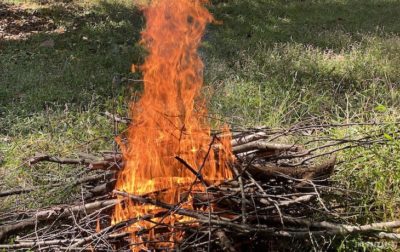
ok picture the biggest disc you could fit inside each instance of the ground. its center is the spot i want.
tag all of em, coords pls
(268, 62)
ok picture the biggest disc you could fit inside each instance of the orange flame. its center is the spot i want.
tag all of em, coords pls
(170, 118)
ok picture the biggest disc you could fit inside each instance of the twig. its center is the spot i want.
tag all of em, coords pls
(52, 214)
(226, 244)
(198, 175)
(248, 138)
(240, 179)
(117, 118)
(265, 145)
(330, 228)
(76, 182)
(44, 157)
(17, 191)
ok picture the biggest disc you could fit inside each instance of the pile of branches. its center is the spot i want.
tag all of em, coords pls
(280, 198)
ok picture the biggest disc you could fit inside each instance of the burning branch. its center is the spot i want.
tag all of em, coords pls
(265, 198)
(172, 188)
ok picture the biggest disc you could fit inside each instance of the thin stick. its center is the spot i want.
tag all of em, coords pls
(240, 179)
(76, 182)
(226, 244)
(52, 214)
(330, 228)
(198, 175)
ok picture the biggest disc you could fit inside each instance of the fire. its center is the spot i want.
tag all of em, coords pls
(170, 121)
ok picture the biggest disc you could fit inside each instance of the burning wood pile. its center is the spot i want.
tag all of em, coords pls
(279, 194)
(174, 185)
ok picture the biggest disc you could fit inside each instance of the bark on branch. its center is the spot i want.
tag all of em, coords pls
(267, 171)
(264, 145)
(328, 228)
(52, 214)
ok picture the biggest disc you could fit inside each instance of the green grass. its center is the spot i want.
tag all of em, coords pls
(52, 99)
(271, 63)
(99, 42)
(302, 59)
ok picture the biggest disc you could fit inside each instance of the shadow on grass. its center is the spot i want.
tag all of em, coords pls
(101, 42)
(91, 46)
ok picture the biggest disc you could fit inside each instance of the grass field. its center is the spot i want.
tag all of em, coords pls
(270, 62)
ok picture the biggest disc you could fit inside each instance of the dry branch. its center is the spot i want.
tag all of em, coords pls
(52, 214)
(226, 243)
(109, 162)
(105, 165)
(263, 145)
(263, 199)
(73, 182)
(330, 229)
(32, 244)
(298, 200)
(244, 139)
(44, 157)
(16, 191)
(324, 169)
(117, 118)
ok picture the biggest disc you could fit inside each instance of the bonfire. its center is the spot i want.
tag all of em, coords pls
(176, 184)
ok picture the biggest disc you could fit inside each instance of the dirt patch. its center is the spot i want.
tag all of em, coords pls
(16, 22)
